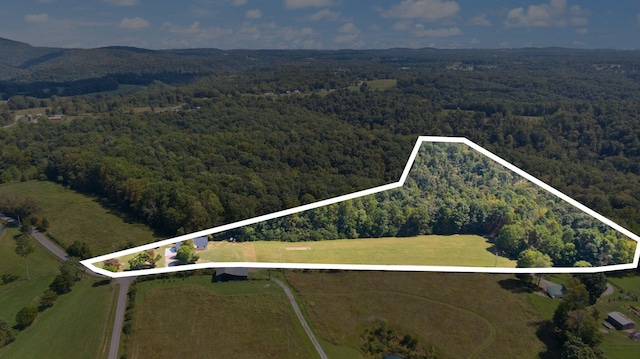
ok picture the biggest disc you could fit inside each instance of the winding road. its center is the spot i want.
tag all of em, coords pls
(303, 321)
(122, 282)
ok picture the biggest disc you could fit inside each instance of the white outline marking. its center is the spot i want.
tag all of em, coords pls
(412, 268)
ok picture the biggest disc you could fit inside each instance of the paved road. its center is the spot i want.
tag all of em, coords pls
(122, 282)
(50, 246)
(306, 327)
(120, 309)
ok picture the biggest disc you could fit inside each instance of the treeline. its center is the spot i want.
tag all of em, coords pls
(454, 190)
(230, 154)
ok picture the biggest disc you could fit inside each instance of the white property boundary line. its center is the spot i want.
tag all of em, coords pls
(422, 139)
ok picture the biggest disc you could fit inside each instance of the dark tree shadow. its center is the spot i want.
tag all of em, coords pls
(101, 283)
(551, 338)
(517, 286)
(8, 278)
(128, 217)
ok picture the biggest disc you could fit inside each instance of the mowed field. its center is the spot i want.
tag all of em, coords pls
(194, 318)
(73, 216)
(77, 326)
(456, 250)
(463, 315)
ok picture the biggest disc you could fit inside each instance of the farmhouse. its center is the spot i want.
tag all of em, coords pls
(55, 118)
(231, 274)
(201, 243)
(620, 321)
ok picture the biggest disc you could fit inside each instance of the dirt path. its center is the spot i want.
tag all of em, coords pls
(303, 322)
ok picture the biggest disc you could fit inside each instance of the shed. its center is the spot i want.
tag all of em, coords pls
(231, 274)
(555, 291)
(178, 244)
(201, 243)
(55, 118)
(620, 321)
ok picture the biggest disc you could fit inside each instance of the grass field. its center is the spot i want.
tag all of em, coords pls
(462, 315)
(463, 250)
(74, 216)
(77, 326)
(383, 84)
(194, 318)
(19, 293)
(616, 345)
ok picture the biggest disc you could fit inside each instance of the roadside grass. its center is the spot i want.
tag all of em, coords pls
(73, 216)
(77, 326)
(43, 267)
(462, 315)
(461, 250)
(192, 317)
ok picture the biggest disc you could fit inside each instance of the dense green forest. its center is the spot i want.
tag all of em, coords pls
(289, 128)
(453, 189)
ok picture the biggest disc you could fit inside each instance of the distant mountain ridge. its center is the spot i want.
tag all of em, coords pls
(23, 63)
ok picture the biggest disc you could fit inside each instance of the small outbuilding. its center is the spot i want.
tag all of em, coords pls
(620, 321)
(634, 336)
(201, 243)
(231, 274)
(555, 291)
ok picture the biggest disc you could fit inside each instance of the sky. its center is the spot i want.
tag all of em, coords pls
(323, 24)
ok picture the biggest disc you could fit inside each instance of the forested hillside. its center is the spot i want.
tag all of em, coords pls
(296, 127)
(453, 189)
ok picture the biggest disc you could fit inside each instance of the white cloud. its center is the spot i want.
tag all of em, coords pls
(480, 20)
(122, 2)
(582, 31)
(427, 10)
(36, 18)
(253, 14)
(638, 18)
(474, 41)
(184, 30)
(135, 23)
(196, 33)
(238, 2)
(420, 31)
(324, 14)
(301, 4)
(347, 33)
(537, 15)
(402, 26)
(578, 16)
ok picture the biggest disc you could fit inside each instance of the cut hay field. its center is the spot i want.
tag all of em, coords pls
(462, 315)
(77, 326)
(456, 250)
(73, 216)
(194, 318)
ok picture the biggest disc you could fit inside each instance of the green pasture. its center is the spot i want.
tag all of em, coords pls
(462, 315)
(77, 326)
(192, 317)
(73, 216)
(455, 250)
